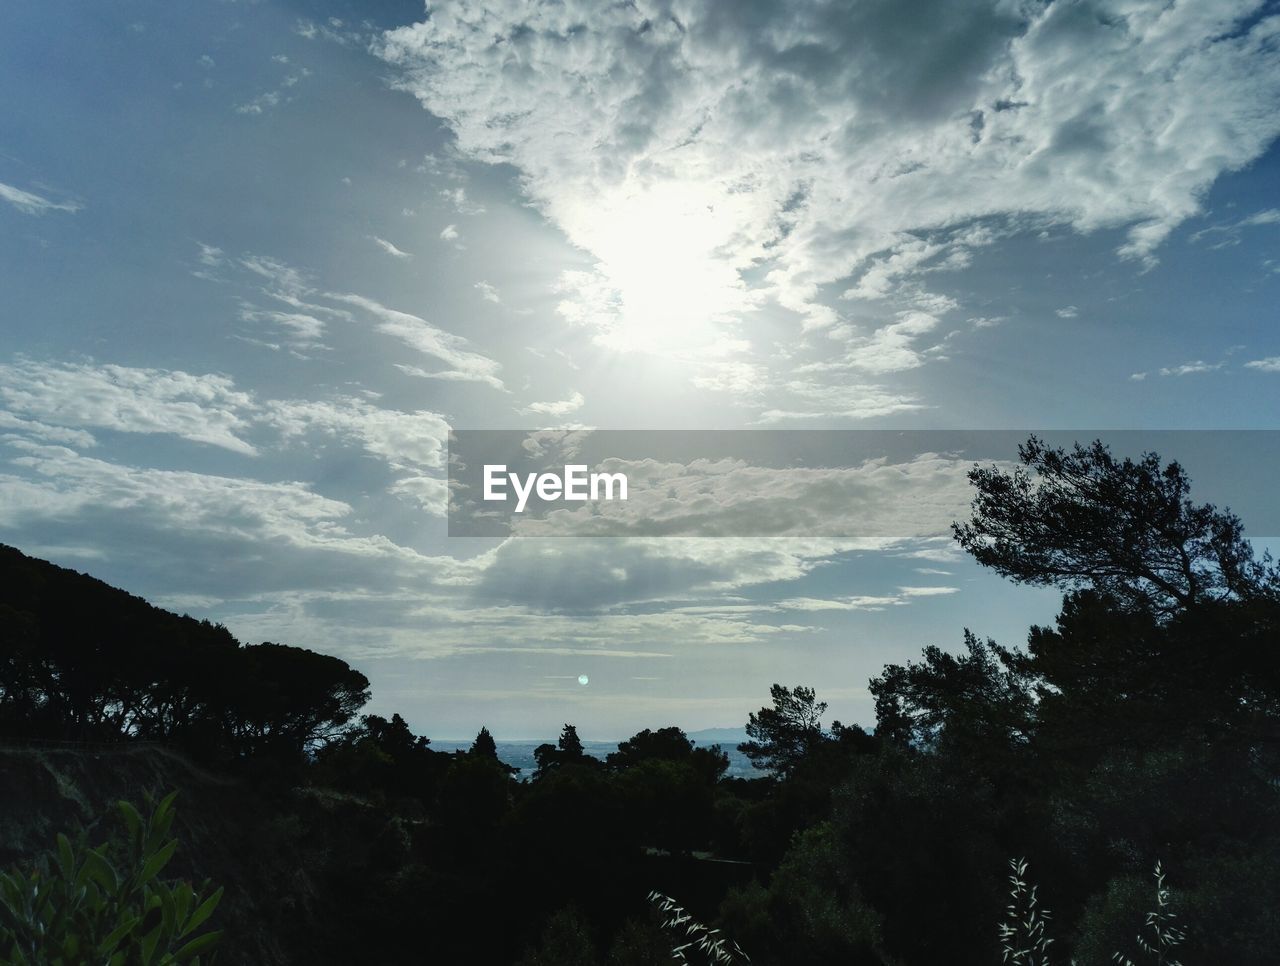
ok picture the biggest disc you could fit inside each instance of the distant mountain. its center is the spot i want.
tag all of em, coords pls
(726, 738)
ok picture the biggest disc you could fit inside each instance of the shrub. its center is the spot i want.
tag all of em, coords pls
(78, 907)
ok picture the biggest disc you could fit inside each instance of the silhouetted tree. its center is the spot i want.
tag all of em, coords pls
(782, 735)
(566, 751)
(981, 698)
(1126, 528)
(291, 699)
(484, 746)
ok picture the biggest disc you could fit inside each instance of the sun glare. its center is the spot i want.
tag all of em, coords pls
(666, 252)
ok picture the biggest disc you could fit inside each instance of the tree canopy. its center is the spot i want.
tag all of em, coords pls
(780, 736)
(1124, 527)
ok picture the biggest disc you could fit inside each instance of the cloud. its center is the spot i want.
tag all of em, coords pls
(290, 286)
(560, 408)
(203, 408)
(593, 575)
(488, 292)
(30, 203)
(875, 499)
(57, 403)
(720, 159)
(421, 335)
(1231, 230)
(261, 104)
(1191, 368)
(815, 400)
(1067, 312)
(46, 433)
(302, 329)
(404, 441)
(449, 233)
(1269, 364)
(890, 348)
(180, 500)
(389, 248)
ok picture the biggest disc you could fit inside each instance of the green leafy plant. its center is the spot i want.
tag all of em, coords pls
(77, 906)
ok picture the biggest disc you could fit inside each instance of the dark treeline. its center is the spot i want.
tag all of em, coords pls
(1142, 727)
(82, 661)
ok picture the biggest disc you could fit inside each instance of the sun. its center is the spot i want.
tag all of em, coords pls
(666, 255)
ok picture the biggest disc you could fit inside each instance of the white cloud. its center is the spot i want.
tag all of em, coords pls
(814, 400)
(890, 348)
(303, 329)
(875, 499)
(419, 334)
(1269, 364)
(711, 161)
(46, 433)
(449, 233)
(176, 500)
(1067, 312)
(260, 104)
(30, 203)
(1191, 368)
(202, 408)
(559, 408)
(405, 441)
(488, 292)
(390, 249)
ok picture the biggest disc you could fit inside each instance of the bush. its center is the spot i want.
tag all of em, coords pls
(77, 906)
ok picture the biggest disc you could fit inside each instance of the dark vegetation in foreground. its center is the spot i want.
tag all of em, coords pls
(1142, 728)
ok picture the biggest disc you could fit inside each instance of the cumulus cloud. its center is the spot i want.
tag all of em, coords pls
(1269, 364)
(404, 441)
(177, 501)
(714, 158)
(59, 403)
(204, 408)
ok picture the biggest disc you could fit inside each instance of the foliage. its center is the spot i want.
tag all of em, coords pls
(81, 660)
(781, 736)
(1159, 935)
(1024, 938)
(565, 941)
(694, 941)
(1126, 528)
(77, 906)
(1144, 721)
(566, 751)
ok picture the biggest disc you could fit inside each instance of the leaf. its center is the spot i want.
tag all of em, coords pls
(157, 862)
(198, 945)
(133, 822)
(203, 912)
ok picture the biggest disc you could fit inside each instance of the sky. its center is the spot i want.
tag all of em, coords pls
(256, 259)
